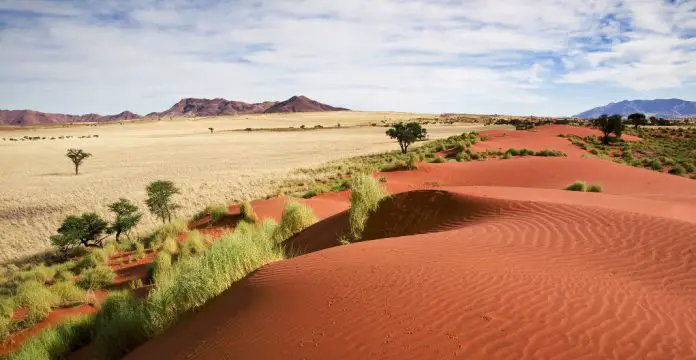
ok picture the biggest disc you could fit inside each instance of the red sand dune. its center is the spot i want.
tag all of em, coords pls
(481, 260)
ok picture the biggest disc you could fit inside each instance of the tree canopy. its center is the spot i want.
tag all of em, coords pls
(159, 199)
(77, 156)
(406, 134)
(127, 217)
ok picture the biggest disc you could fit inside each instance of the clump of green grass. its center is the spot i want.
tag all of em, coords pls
(163, 262)
(216, 212)
(678, 170)
(513, 152)
(655, 165)
(64, 275)
(68, 293)
(120, 325)
(4, 327)
(594, 188)
(37, 298)
(578, 185)
(7, 307)
(41, 273)
(97, 278)
(247, 212)
(139, 252)
(550, 152)
(57, 342)
(438, 159)
(412, 163)
(366, 194)
(296, 217)
(170, 245)
(193, 244)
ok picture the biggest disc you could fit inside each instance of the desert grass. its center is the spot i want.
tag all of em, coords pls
(97, 278)
(57, 342)
(37, 298)
(194, 244)
(247, 212)
(216, 212)
(578, 185)
(68, 293)
(366, 193)
(594, 188)
(39, 189)
(296, 217)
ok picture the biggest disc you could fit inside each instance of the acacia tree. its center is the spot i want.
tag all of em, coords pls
(637, 119)
(211, 129)
(159, 199)
(406, 134)
(77, 156)
(86, 230)
(127, 217)
(608, 125)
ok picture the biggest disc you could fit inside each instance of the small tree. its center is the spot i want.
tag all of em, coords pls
(406, 134)
(127, 216)
(608, 125)
(159, 199)
(637, 119)
(86, 230)
(211, 129)
(77, 156)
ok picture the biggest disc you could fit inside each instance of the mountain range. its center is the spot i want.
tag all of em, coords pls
(664, 108)
(185, 107)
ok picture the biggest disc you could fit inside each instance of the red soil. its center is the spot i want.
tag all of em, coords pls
(478, 260)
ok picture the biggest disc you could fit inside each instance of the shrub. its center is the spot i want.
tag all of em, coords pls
(438, 159)
(678, 170)
(247, 212)
(193, 244)
(506, 156)
(296, 217)
(64, 275)
(550, 152)
(97, 278)
(413, 160)
(364, 199)
(68, 293)
(58, 342)
(37, 299)
(689, 167)
(655, 165)
(475, 156)
(462, 157)
(594, 188)
(513, 152)
(578, 185)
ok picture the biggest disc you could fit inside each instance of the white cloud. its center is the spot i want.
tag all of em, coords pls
(105, 56)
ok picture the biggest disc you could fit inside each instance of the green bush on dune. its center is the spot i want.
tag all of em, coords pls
(296, 217)
(578, 185)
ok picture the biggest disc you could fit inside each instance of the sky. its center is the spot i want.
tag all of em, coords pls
(541, 57)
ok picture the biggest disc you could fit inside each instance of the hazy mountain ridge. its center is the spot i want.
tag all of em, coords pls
(665, 108)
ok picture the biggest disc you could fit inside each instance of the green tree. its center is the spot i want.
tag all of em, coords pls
(211, 129)
(608, 125)
(86, 230)
(406, 134)
(159, 199)
(127, 217)
(637, 119)
(77, 156)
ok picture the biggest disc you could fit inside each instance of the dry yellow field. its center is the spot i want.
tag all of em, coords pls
(39, 188)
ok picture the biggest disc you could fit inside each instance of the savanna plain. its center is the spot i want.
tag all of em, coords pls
(39, 187)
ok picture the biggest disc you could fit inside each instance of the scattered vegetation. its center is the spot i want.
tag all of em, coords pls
(97, 278)
(580, 185)
(57, 342)
(406, 134)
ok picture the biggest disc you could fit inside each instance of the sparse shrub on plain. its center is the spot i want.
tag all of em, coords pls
(296, 217)
(159, 199)
(578, 185)
(127, 217)
(366, 194)
(97, 278)
(77, 156)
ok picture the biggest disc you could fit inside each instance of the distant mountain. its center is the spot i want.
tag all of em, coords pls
(300, 104)
(665, 108)
(185, 107)
(30, 117)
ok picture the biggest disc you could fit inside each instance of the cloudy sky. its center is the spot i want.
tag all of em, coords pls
(544, 57)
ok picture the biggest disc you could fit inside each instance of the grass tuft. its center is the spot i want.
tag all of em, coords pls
(37, 298)
(57, 342)
(366, 193)
(296, 217)
(97, 278)
(578, 185)
(193, 244)
(247, 212)
(68, 293)
(594, 188)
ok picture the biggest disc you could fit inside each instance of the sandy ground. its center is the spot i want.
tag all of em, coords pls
(39, 188)
(480, 260)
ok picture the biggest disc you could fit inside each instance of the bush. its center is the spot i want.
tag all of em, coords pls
(578, 185)
(550, 152)
(513, 152)
(58, 342)
(97, 278)
(438, 159)
(655, 165)
(248, 213)
(475, 156)
(296, 217)
(678, 170)
(594, 188)
(193, 244)
(689, 167)
(364, 199)
(68, 293)
(37, 299)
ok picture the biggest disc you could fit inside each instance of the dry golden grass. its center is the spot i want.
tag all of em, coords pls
(39, 188)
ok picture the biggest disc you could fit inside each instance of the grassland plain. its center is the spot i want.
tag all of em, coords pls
(39, 188)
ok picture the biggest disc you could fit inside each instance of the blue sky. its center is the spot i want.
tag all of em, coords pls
(546, 57)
